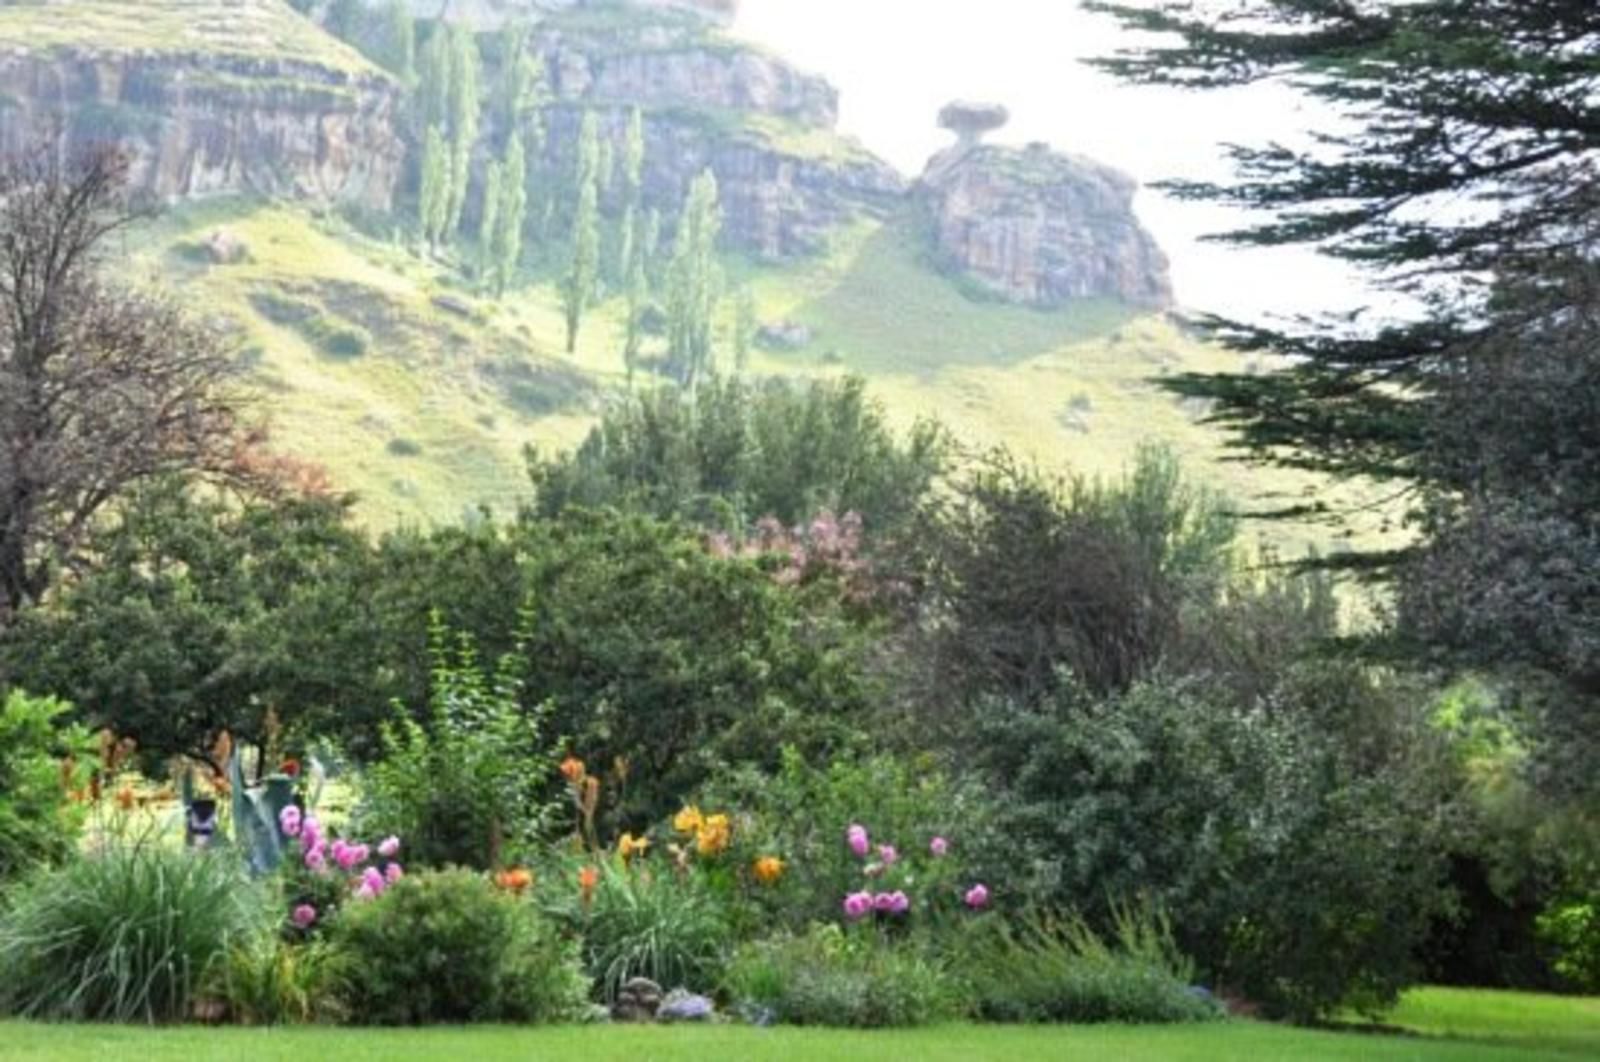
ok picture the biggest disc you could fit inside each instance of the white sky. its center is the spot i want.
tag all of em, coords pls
(897, 62)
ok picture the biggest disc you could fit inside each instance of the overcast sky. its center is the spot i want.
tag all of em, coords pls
(897, 62)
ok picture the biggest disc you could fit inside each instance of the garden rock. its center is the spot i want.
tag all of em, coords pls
(681, 1005)
(638, 1001)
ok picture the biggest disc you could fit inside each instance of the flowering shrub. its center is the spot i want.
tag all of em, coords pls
(322, 873)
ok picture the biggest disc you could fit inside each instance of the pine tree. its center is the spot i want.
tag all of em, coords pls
(489, 223)
(435, 187)
(583, 271)
(1482, 103)
(694, 282)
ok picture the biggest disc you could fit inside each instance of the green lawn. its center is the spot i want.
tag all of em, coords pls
(1436, 1025)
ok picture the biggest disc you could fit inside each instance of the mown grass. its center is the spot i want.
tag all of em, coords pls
(1568, 1024)
(1237, 1040)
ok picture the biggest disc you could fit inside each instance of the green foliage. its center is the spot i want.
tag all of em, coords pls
(198, 618)
(38, 822)
(732, 452)
(645, 923)
(694, 282)
(396, 46)
(1040, 969)
(1572, 931)
(270, 981)
(583, 271)
(447, 947)
(1296, 842)
(801, 812)
(434, 197)
(130, 934)
(469, 779)
(828, 977)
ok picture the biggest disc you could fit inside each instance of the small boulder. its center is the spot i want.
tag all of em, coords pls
(224, 248)
(638, 1001)
(453, 304)
(684, 1006)
(783, 335)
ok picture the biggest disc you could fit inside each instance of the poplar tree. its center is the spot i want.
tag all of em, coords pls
(464, 111)
(637, 282)
(521, 77)
(435, 186)
(398, 52)
(489, 223)
(511, 215)
(632, 185)
(694, 282)
(584, 262)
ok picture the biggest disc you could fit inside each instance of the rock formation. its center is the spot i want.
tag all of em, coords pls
(492, 14)
(1038, 227)
(203, 107)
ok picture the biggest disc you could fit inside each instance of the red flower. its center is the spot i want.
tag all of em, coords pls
(290, 767)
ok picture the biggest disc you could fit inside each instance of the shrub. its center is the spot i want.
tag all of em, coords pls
(270, 981)
(663, 926)
(1572, 932)
(38, 823)
(447, 947)
(471, 778)
(129, 934)
(1041, 970)
(830, 977)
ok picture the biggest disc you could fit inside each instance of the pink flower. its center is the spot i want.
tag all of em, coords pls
(978, 897)
(883, 902)
(887, 853)
(899, 902)
(315, 860)
(304, 916)
(346, 855)
(393, 873)
(857, 838)
(310, 833)
(938, 846)
(372, 878)
(365, 892)
(856, 905)
(389, 847)
(360, 853)
(289, 821)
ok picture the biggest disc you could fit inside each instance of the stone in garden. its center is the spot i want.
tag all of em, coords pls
(682, 1005)
(638, 1001)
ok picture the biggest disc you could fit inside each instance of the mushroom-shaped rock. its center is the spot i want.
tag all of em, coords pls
(970, 121)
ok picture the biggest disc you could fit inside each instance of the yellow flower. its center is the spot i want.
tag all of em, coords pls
(768, 869)
(631, 846)
(688, 820)
(714, 835)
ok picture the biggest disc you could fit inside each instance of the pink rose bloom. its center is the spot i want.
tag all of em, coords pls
(315, 860)
(360, 852)
(310, 833)
(978, 897)
(393, 873)
(389, 847)
(857, 838)
(938, 846)
(884, 902)
(856, 905)
(346, 855)
(289, 821)
(899, 902)
(372, 878)
(365, 892)
(887, 853)
(304, 916)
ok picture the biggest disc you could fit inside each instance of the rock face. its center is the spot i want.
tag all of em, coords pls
(766, 129)
(204, 123)
(1042, 228)
(492, 14)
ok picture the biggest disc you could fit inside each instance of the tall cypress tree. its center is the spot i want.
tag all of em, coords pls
(398, 50)
(584, 267)
(435, 186)
(694, 282)
(1482, 104)
(465, 67)
(489, 223)
(511, 216)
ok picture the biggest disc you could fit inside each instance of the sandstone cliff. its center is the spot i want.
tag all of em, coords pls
(205, 97)
(1042, 228)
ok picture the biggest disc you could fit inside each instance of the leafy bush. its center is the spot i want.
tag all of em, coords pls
(130, 934)
(641, 923)
(38, 823)
(1302, 865)
(270, 981)
(447, 947)
(469, 780)
(1572, 932)
(1040, 970)
(830, 977)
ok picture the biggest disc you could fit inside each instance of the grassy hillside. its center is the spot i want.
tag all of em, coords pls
(421, 396)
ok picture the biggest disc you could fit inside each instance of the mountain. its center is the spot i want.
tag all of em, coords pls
(1009, 291)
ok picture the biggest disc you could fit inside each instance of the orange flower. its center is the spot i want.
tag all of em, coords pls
(573, 770)
(514, 880)
(688, 820)
(768, 869)
(588, 878)
(714, 835)
(630, 846)
(125, 798)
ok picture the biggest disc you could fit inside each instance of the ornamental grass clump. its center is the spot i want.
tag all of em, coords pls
(129, 934)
